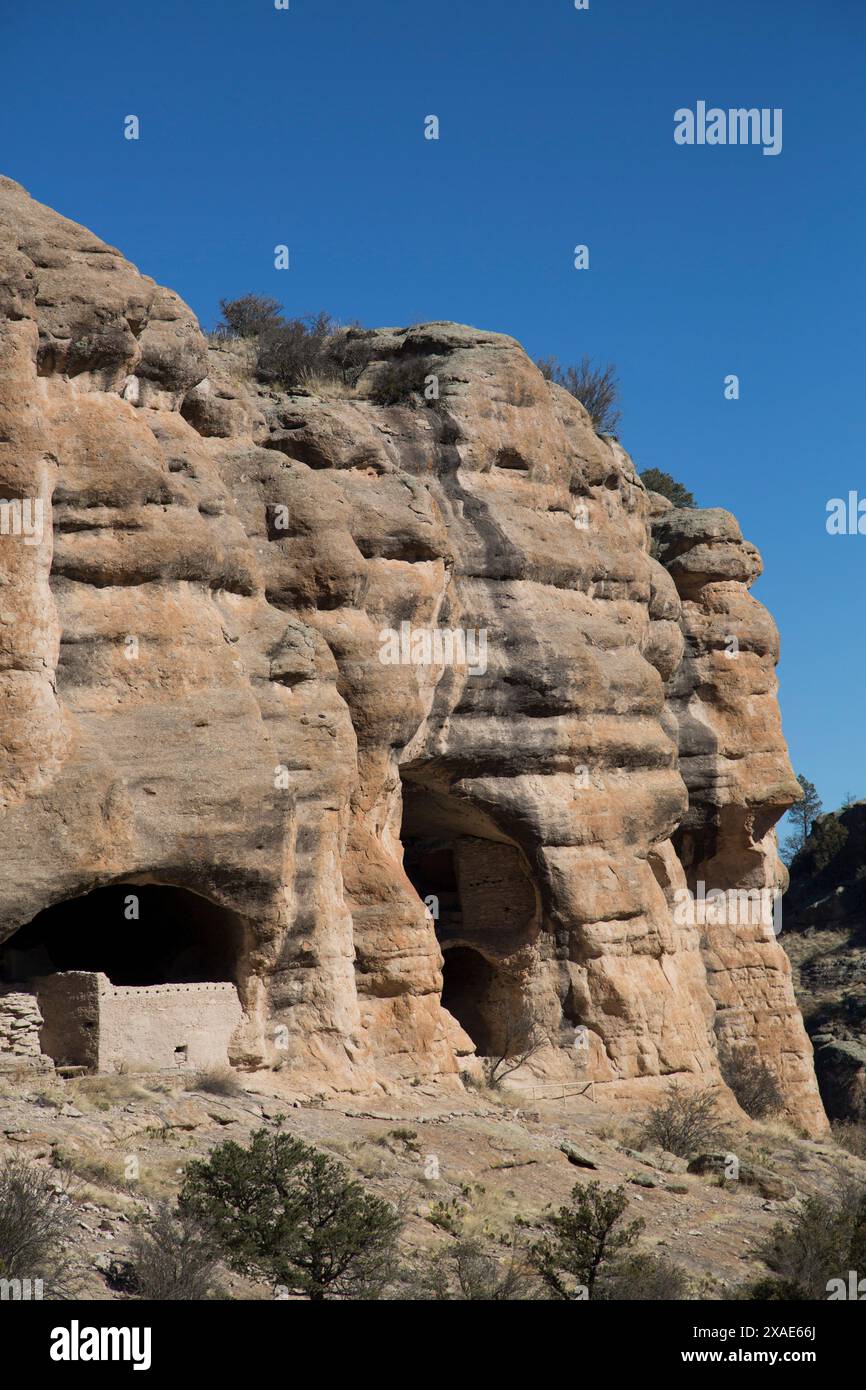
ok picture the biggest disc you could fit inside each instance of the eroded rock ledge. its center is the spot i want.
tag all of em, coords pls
(194, 697)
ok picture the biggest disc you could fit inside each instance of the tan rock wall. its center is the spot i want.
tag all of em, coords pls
(69, 1003)
(735, 764)
(199, 691)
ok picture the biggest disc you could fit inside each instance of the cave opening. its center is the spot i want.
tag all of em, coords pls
(468, 982)
(477, 889)
(135, 933)
(431, 869)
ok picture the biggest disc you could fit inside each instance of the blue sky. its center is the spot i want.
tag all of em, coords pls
(305, 127)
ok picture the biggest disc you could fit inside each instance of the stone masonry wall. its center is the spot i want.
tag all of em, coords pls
(91, 1022)
(159, 1027)
(20, 1021)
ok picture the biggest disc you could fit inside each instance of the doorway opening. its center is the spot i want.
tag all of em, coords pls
(467, 987)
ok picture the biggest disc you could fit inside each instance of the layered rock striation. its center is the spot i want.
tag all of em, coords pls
(432, 702)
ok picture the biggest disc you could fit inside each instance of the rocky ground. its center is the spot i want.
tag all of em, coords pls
(121, 1143)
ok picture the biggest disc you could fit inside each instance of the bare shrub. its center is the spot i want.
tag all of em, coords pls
(37, 1227)
(293, 351)
(643, 1278)
(398, 380)
(596, 388)
(685, 1122)
(754, 1084)
(521, 1038)
(249, 317)
(821, 1241)
(172, 1259)
(471, 1270)
(351, 351)
(220, 1081)
(310, 352)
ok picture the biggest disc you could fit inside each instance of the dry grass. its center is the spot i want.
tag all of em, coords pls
(218, 1081)
(851, 1136)
(51, 1093)
(156, 1176)
(763, 1137)
(92, 1166)
(104, 1092)
(330, 388)
(623, 1133)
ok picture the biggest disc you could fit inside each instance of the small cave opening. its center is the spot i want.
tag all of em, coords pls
(135, 933)
(468, 982)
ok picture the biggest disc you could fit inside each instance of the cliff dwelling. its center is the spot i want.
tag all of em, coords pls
(484, 907)
(129, 976)
(250, 741)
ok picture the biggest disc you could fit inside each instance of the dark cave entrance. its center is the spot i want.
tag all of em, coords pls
(484, 907)
(430, 868)
(135, 933)
(468, 982)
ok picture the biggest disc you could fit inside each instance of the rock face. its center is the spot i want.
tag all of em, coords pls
(734, 762)
(386, 686)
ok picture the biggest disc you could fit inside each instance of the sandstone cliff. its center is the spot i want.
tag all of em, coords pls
(205, 685)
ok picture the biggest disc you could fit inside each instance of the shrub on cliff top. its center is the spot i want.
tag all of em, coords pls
(293, 351)
(298, 351)
(249, 316)
(596, 388)
(398, 381)
(654, 480)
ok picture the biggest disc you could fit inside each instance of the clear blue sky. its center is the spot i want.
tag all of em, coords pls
(305, 127)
